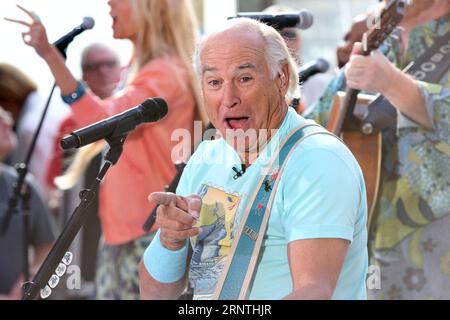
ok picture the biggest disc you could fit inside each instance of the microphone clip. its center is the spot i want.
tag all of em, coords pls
(239, 173)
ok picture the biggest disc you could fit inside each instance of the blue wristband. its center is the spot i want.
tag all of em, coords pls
(164, 265)
(74, 96)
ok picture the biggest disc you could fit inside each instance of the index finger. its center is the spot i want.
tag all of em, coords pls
(18, 21)
(168, 199)
(29, 13)
(164, 198)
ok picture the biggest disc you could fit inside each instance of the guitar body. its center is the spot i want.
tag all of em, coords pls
(365, 148)
(367, 151)
(346, 114)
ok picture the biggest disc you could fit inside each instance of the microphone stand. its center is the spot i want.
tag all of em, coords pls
(22, 168)
(22, 171)
(21, 189)
(75, 222)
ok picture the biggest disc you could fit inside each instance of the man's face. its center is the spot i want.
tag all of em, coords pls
(101, 71)
(238, 91)
(292, 38)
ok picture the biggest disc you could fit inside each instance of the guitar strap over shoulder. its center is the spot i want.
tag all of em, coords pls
(237, 275)
(430, 67)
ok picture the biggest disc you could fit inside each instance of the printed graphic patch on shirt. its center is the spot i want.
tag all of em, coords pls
(212, 245)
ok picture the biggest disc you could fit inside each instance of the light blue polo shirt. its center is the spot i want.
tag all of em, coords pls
(321, 194)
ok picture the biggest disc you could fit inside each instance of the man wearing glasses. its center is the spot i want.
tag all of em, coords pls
(101, 69)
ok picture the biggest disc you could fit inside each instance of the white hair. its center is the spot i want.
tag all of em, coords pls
(277, 52)
(97, 46)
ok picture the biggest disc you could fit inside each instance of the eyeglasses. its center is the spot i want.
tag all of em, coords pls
(96, 66)
(289, 34)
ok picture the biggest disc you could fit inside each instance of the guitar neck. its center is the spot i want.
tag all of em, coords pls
(389, 18)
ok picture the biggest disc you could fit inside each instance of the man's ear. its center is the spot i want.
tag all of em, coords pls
(284, 78)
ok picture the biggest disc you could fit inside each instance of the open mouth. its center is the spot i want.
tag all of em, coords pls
(237, 122)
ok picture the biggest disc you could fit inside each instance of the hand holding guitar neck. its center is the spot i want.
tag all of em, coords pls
(342, 122)
(389, 18)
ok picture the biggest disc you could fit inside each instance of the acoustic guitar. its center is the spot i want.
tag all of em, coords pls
(360, 139)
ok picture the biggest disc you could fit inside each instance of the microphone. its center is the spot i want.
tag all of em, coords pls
(150, 110)
(311, 68)
(64, 41)
(239, 173)
(301, 20)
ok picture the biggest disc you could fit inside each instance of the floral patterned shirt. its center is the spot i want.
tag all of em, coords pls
(410, 239)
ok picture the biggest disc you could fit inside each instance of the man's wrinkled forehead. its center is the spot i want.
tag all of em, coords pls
(243, 66)
(244, 50)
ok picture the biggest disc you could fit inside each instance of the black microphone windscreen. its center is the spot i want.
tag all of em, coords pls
(311, 68)
(154, 109)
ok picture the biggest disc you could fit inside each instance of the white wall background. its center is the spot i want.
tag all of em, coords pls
(216, 13)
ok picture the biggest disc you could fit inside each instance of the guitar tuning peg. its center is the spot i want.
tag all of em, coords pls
(45, 292)
(68, 257)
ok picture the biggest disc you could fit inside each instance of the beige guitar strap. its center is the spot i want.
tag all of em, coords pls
(237, 275)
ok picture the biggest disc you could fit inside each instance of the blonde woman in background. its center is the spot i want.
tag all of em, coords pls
(164, 35)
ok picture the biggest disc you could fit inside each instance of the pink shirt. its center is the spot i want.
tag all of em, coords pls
(145, 165)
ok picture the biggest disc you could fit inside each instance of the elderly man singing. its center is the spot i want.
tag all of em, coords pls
(276, 207)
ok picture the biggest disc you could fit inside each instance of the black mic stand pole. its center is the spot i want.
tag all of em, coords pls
(22, 168)
(22, 171)
(19, 186)
(75, 222)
